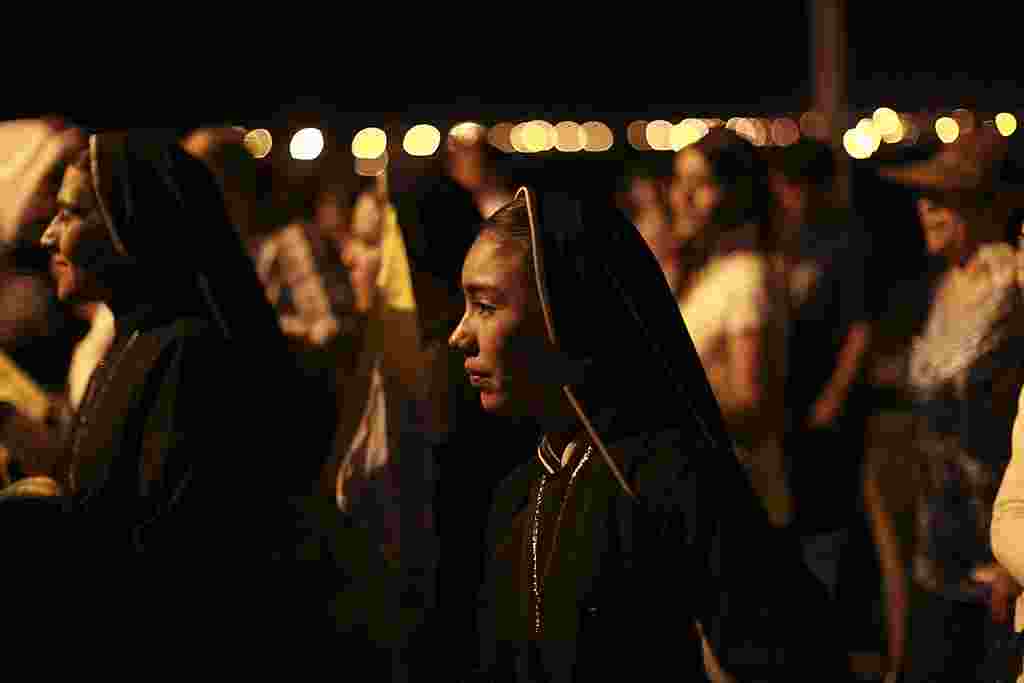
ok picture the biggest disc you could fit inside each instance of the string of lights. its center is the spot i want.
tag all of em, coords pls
(862, 140)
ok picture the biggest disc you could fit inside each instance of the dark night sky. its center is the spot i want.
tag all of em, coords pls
(901, 55)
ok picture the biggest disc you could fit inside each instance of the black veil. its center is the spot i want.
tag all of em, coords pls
(164, 209)
(609, 308)
(167, 215)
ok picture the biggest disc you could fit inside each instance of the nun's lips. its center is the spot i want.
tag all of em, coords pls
(478, 380)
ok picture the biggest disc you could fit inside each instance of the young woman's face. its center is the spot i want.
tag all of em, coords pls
(502, 331)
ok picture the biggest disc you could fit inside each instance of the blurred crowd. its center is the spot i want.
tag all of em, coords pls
(871, 412)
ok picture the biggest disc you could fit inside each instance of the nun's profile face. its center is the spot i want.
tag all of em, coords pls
(502, 330)
(78, 240)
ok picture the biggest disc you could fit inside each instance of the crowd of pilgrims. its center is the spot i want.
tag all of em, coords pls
(708, 419)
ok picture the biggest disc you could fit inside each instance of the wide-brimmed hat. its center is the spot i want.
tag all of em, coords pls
(977, 161)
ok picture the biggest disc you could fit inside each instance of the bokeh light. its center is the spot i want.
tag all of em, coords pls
(1006, 123)
(687, 132)
(893, 133)
(947, 129)
(872, 140)
(886, 121)
(857, 143)
(498, 136)
(258, 142)
(636, 135)
(307, 144)
(569, 137)
(658, 135)
(599, 136)
(534, 136)
(421, 140)
(369, 143)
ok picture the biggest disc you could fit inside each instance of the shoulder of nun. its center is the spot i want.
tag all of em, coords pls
(661, 462)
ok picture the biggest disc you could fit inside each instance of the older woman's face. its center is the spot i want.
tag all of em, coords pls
(502, 332)
(78, 240)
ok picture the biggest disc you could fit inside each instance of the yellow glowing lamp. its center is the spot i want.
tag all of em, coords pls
(947, 129)
(258, 142)
(307, 144)
(369, 143)
(421, 140)
(599, 137)
(1006, 123)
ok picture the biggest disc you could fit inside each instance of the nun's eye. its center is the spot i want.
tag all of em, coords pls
(484, 309)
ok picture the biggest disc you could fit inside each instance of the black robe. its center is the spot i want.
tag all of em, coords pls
(624, 579)
(190, 464)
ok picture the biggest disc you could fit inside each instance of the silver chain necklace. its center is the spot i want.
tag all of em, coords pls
(535, 535)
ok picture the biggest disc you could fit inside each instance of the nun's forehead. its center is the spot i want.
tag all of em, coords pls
(77, 189)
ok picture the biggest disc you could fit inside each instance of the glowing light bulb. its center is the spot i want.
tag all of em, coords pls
(421, 140)
(599, 136)
(369, 143)
(1006, 123)
(569, 137)
(857, 143)
(658, 133)
(307, 144)
(258, 142)
(886, 121)
(686, 133)
(947, 129)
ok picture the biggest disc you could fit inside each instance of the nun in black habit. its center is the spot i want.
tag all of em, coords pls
(173, 492)
(633, 521)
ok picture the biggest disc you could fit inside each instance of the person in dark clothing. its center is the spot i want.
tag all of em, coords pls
(172, 496)
(828, 250)
(630, 529)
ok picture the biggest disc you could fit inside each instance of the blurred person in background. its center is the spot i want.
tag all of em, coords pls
(965, 370)
(439, 214)
(735, 302)
(646, 203)
(37, 331)
(342, 286)
(827, 248)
